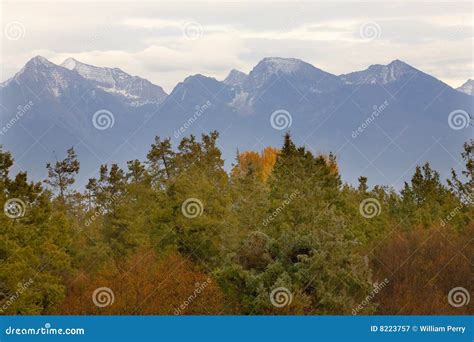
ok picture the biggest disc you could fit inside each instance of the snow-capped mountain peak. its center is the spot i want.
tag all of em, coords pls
(294, 70)
(380, 74)
(69, 63)
(235, 78)
(467, 88)
(42, 76)
(37, 64)
(271, 66)
(283, 65)
(104, 76)
(40, 60)
(131, 89)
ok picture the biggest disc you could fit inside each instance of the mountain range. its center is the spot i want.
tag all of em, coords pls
(379, 122)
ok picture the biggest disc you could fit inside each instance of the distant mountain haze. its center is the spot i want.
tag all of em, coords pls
(380, 122)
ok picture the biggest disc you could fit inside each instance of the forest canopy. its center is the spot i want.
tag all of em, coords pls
(279, 234)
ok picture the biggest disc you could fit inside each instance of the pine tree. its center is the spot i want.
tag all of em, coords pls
(464, 190)
(62, 175)
(160, 160)
(199, 194)
(425, 200)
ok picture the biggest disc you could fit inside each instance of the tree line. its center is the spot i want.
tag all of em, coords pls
(279, 234)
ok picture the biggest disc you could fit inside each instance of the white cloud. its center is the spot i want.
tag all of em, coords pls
(148, 38)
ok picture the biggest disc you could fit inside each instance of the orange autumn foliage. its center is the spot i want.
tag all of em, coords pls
(331, 162)
(261, 163)
(146, 285)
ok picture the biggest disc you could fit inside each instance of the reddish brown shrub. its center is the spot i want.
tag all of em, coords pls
(422, 267)
(146, 285)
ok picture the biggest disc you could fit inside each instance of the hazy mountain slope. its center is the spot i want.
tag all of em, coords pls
(467, 88)
(380, 122)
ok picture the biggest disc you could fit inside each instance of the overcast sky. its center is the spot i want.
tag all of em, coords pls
(165, 42)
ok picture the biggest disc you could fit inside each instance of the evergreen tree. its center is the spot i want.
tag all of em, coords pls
(34, 244)
(464, 190)
(61, 174)
(425, 201)
(303, 246)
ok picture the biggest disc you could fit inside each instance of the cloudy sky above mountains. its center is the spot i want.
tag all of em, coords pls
(165, 42)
